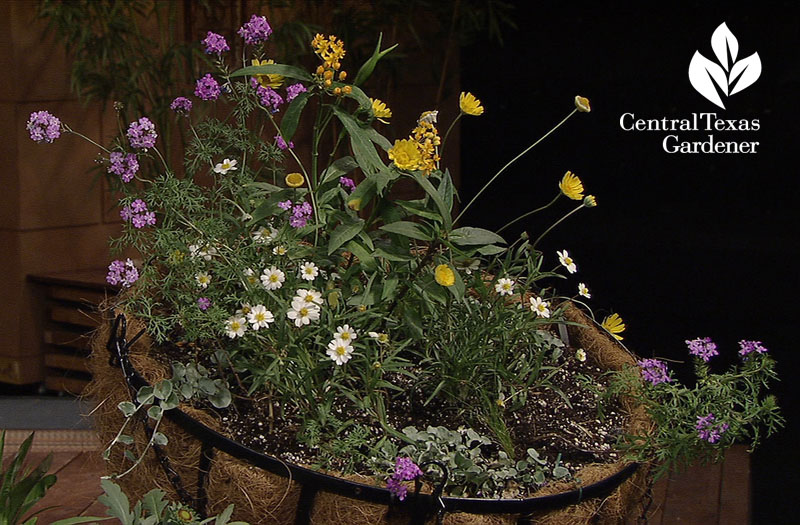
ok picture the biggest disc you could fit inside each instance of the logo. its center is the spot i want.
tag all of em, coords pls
(727, 76)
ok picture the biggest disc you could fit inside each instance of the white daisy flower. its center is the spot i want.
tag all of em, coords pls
(539, 307)
(205, 251)
(580, 355)
(504, 286)
(309, 296)
(303, 313)
(203, 279)
(225, 166)
(309, 271)
(340, 351)
(264, 235)
(279, 250)
(260, 317)
(381, 337)
(272, 279)
(250, 276)
(584, 291)
(244, 310)
(235, 327)
(567, 262)
(345, 333)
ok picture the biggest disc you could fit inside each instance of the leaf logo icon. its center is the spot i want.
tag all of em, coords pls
(727, 76)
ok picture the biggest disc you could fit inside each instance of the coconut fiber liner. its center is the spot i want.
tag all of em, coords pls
(261, 497)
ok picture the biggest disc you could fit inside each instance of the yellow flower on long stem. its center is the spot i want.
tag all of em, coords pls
(380, 110)
(470, 105)
(270, 81)
(571, 186)
(614, 325)
(444, 275)
(295, 180)
(406, 154)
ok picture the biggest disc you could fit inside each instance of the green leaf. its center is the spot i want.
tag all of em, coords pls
(418, 208)
(337, 169)
(363, 193)
(160, 439)
(389, 287)
(469, 236)
(458, 289)
(368, 67)
(491, 249)
(358, 95)
(446, 189)
(117, 502)
(343, 233)
(163, 389)
(444, 209)
(125, 439)
(291, 118)
(407, 229)
(154, 502)
(413, 321)
(360, 141)
(127, 408)
(274, 69)
(155, 412)
(145, 395)
(364, 257)
(222, 399)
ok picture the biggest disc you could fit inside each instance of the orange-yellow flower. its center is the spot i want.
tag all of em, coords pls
(614, 325)
(571, 186)
(470, 105)
(295, 180)
(444, 275)
(380, 110)
(406, 154)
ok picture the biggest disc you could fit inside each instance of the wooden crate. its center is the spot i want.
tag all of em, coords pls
(70, 314)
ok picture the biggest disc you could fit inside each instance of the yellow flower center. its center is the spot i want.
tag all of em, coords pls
(260, 317)
(341, 350)
(273, 278)
(345, 336)
(303, 312)
(383, 338)
(235, 326)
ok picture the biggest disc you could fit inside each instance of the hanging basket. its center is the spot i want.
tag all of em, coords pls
(202, 467)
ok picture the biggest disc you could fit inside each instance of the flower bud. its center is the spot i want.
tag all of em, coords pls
(582, 103)
(590, 201)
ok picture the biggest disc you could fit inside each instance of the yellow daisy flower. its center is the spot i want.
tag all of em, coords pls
(380, 110)
(571, 186)
(582, 103)
(295, 180)
(614, 325)
(444, 275)
(590, 201)
(405, 154)
(270, 81)
(470, 105)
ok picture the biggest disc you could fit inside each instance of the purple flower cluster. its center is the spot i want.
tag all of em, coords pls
(348, 184)
(654, 371)
(268, 97)
(708, 430)
(123, 273)
(138, 215)
(215, 44)
(124, 165)
(282, 143)
(256, 30)
(294, 90)
(300, 215)
(702, 347)
(44, 127)
(748, 347)
(404, 470)
(207, 88)
(142, 134)
(204, 303)
(181, 106)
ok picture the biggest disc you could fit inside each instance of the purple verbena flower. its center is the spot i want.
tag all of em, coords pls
(747, 347)
(204, 303)
(142, 134)
(281, 143)
(124, 165)
(397, 488)
(207, 88)
(269, 98)
(215, 44)
(139, 206)
(122, 273)
(181, 105)
(294, 90)
(707, 430)
(285, 205)
(702, 347)
(348, 184)
(126, 213)
(256, 30)
(44, 127)
(406, 469)
(654, 371)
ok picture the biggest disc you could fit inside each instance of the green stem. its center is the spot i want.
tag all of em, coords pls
(559, 221)
(84, 137)
(512, 162)
(529, 213)
(447, 134)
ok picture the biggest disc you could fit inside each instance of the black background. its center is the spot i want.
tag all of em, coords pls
(681, 246)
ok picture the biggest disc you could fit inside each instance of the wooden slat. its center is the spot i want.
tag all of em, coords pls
(77, 295)
(59, 337)
(77, 488)
(655, 514)
(734, 497)
(693, 496)
(56, 441)
(59, 383)
(65, 361)
(61, 314)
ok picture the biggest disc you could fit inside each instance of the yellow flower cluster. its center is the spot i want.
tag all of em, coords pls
(420, 150)
(331, 51)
